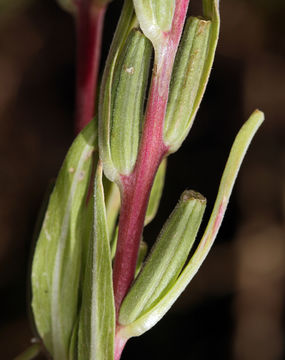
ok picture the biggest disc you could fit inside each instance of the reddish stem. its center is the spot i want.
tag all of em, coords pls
(90, 21)
(119, 345)
(136, 187)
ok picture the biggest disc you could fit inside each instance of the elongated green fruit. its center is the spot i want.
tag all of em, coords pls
(58, 256)
(185, 82)
(238, 151)
(128, 95)
(97, 315)
(166, 258)
(193, 64)
(126, 22)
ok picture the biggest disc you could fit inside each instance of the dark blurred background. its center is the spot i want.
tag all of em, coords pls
(234, 308)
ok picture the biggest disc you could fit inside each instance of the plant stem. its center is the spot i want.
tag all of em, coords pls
(119, 345)
(136, 187)
(89, 29)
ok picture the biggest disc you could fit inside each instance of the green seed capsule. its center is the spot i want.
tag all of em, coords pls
(190, 74)
(166, 259)
(126, 22)
(128, 95)
(122, 99)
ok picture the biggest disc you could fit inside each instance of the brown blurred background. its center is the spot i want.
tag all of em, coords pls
(234, 308)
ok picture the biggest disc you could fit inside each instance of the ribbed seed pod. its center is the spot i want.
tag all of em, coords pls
(126, 22)
(128, 95)
(188, 81)
(166, 259)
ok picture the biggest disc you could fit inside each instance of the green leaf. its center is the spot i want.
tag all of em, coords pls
(112, 202)
(97, 316)
(238, 151)
(113, 242)
(156, 192)
(166, 259)
(57, 260)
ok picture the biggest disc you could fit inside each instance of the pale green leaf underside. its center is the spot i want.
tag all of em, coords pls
(235, 159)
(57, 258)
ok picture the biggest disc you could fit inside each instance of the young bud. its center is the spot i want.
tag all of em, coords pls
(186, 79)
(166, 259)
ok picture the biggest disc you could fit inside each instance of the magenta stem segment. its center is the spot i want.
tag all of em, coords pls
(136, 187)
(90, 20)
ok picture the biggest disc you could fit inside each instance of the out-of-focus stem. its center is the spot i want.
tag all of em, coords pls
(136, 187)
(90, 19)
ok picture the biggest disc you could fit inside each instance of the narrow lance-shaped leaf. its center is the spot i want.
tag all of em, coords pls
(57, 259)
(238, 151)
(166, 259)
(112, 202)
(97, 316)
